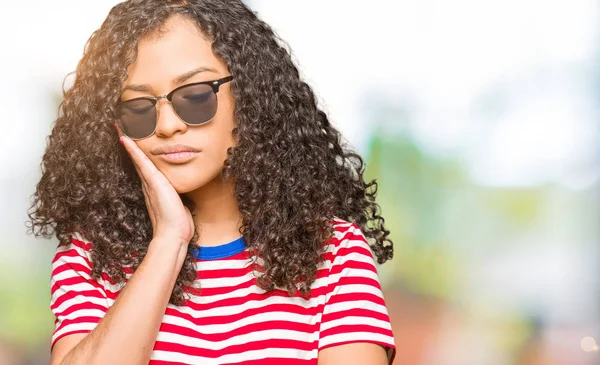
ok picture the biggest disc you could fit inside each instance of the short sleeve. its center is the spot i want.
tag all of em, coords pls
(78, 301)
(355, 309)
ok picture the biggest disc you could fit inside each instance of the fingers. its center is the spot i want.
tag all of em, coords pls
(134, 151)
(139, 158)
(135, 156)
(142, 163)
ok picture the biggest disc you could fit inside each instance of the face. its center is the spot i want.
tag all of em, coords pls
(178, 56)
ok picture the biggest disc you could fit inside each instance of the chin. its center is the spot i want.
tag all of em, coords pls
(187, 181)
(184, 187)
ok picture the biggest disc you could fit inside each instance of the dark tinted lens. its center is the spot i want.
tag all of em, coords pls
(137, 118)
(195, 104)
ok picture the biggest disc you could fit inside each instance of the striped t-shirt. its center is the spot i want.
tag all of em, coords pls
(231, 320)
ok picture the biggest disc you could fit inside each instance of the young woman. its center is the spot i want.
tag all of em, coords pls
(230, 226)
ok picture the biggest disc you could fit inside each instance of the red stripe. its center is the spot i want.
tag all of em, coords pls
(354, 328)
(66, 334)
(235, 349)
(82, 319)
(110, 281)
(352, 232)
(355, 312)
(74, 281)
(347, 250)
(222, 273)
(60, 299)
(63, 255)
(71, 265)
(208, 292)
(203, 319)
(230, 302)
(78, 307)
(358, 280)
(240, 331)
(351, 264)
(353, 297)
(274, 361)
(87, 246)
(362, 280)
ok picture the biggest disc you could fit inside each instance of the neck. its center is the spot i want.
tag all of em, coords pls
(217, 215)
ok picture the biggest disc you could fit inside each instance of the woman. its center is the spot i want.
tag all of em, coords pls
(231, 226)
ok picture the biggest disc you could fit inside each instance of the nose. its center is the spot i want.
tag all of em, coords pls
(167, 121)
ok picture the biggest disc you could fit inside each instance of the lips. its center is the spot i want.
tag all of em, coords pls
(178, 157)
(172, 148)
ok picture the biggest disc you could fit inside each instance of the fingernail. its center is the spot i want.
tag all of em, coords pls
(115, 125)
(121, 140)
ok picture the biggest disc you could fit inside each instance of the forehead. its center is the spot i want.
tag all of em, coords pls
(178, 47)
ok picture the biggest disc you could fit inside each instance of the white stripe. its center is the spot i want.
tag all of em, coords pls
(80, 237)
(225, 282)
(70, 273)
(74, 327)
(233, 326)
(66, 260)
(230, 310)
(75, 287)
(238, 293)
(355, 321)
(114, 288)
(358, 289)
(210, 265)
(353, 256)
(239, 339)
(72, 246)
(349, 243)
(76, 299)
(234, 358)
(83, 313)
(339, 222)
(344, 306)
(355, 337)
(357, 273)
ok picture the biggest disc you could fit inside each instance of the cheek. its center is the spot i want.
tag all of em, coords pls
(226, 120)
(193, 175)
(220, 139)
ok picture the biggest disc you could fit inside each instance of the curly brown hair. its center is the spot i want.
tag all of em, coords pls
(293, 172)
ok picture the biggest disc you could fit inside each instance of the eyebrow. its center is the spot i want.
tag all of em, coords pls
(176, 81)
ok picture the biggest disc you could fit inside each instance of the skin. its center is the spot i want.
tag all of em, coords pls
(162, 59)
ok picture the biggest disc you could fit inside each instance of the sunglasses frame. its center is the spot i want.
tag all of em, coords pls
(214, 84)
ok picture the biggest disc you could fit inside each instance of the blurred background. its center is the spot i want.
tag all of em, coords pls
(479, 119)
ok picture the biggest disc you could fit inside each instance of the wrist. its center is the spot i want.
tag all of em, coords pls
(169, 241)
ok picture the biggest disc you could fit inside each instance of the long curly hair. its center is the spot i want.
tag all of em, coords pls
(293, 171)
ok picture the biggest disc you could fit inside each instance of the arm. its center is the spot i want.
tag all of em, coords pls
(129, 328)
(357, 353)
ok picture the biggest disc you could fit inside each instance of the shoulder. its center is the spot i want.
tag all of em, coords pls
(74, 259)
(348, 249)
(347, 238)
(78, 250)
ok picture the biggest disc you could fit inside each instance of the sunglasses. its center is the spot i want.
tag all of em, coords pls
(194, 104)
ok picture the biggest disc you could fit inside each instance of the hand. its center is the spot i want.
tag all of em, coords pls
(170, 218)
